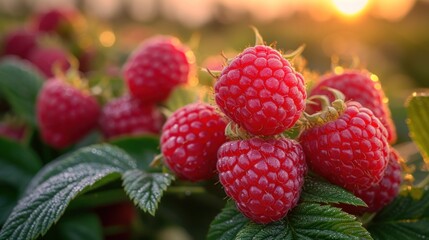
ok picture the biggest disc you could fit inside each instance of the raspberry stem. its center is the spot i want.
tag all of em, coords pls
(423, 183)
(157, 161)
(186, 190)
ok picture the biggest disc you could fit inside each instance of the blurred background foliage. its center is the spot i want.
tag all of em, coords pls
(389, 37)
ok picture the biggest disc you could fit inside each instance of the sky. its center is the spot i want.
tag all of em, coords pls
(197, 13)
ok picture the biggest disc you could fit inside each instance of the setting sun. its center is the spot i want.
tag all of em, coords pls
(350, 7)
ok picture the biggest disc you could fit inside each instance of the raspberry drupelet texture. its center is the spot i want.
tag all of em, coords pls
(360, 87)
(264, 177)
(64, 113)
(382, 193)
(157, 67)
(351, 151)
(129, 116)
(260, 91)
(190, 140)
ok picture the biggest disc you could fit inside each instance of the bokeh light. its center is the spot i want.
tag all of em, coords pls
(107, 38)
(350, 7)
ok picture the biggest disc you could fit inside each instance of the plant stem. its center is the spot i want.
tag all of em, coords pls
(365, 219)
(424, 182)
(186, 190)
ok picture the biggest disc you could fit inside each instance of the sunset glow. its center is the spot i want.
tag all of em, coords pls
(350, 7)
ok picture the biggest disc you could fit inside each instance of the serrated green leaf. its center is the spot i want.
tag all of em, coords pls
(306, 221)
(141, 148)
(19, 85)
(227, 223)
(418, 117)
(60, 182)
(315, 190)
(146, 189)
(314, 221)
(274, 231)
(405, 218)
(78, 227)
(18, 164)
(92, 157)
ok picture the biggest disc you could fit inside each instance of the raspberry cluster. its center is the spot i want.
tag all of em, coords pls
(345, 125)
(261, 96)
(67, 112)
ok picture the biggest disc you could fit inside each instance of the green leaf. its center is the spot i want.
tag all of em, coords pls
(418, 117)
(227, 223)
(146, 189)
(274, 231)
(19, 85)
(141, 148)
(82, 226)
(91, 157)
(314, 221)
(18, 164)
(51, 191)
(323, 192)
(306, 221)
(407, 217)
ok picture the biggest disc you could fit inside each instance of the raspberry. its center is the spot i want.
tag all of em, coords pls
(350, 151)
(65, 114)
(45, 59)
(359, 87)
(20, 43)
(56, 21)
(129, 116)
(190, 140)
(382, 193)
(264, 177)
(156, 67)
(260, 91)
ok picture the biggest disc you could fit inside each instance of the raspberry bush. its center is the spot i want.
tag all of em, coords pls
(133, 150)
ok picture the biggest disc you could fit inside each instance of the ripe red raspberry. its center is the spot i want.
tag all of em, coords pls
(45, 59)
(264, 177)
(129, 116)
(156, 67)
(64, 113)
(58, 21)
(350, 151)
(360, 87)
(260, 91)
(19, 42)
(382, 193)
(190, 140)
